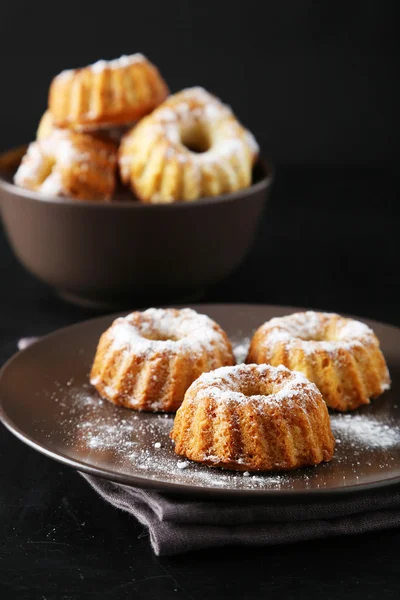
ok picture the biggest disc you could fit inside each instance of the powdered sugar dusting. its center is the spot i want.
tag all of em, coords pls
(240, 349)
(26, 342)
(66, 74)
(42, 167)
(193, 107)
(261, 384)
(138, 443)
(312, 331)
(160, 330)
(117, 63)
(101, 65)
(53, 185)
(364, 431)
(182, 464)
(29, 170)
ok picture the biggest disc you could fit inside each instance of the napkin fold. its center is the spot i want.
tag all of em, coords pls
(179, 524)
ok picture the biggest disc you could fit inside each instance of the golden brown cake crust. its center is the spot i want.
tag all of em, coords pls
(341, 356)
(69, 164)
(190, 147)
(107, 93)
(253, 418)
(46, 126)
(108, 134)
(147, 360)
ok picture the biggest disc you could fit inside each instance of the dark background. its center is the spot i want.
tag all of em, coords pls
(316, 82)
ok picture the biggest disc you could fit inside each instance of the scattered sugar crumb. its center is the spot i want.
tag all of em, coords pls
(25, 342)
(240, 349)
(182, 464)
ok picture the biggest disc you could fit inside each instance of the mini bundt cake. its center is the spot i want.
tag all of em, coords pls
(113, 134)
(190, 147)
(69, 164)
(147, 360)
(341, 356)
(107, 93)
(253, 418)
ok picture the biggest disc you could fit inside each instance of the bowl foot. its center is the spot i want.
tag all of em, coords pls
(129, 302)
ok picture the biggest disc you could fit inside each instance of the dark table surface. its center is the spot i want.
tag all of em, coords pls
(329, 240)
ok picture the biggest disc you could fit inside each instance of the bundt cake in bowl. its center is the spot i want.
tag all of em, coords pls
(171, 208)
(69, 164)
(111, 254)
(106, 93)
(253, 418)
(192, 146)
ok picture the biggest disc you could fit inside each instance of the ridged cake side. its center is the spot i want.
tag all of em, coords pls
(253, 418)
(146, 361)
(108, 134)
(192, 146)
(106, 93)
(45, 127)
(69, 164)
(341, 356)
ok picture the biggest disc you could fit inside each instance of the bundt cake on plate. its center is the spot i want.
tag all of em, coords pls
(253, 418)
(147, 360)
(341, 356)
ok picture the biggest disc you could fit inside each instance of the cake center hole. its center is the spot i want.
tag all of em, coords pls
(255, 390)
(320, 336)
(157, 336)
(314, 338)
(196, 139)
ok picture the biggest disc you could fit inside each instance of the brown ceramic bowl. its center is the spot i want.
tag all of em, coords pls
(122, 252)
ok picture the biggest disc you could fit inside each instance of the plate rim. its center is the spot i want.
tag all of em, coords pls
(184, 488)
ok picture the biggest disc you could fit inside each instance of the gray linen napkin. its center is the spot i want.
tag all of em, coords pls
(177, 524)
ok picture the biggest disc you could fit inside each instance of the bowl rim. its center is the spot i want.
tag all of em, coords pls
(268, 176)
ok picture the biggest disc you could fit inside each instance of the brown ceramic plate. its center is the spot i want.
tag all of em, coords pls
(46, 401)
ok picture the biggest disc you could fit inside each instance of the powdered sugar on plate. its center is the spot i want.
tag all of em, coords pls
(240, 349)
(364, 431)
(71, 421)
(97, 433)
(132, 443)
